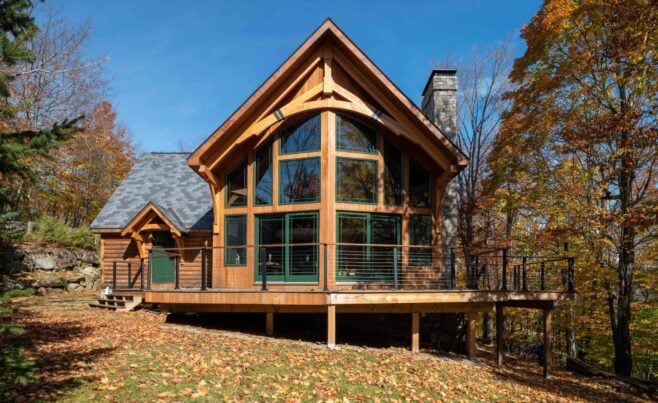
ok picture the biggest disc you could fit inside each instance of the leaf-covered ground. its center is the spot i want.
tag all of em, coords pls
(56, 348)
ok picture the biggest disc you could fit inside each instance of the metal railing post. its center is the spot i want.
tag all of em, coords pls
(177, 273)
(525, 273)
(263, 268)
(476, 274)
(114, 275)
(542, 277)
(149, 265)
(504, 270)
(326, 268)
(130, 275)
(204, 271)
(453, 270)
(570, 274)
(396, 282)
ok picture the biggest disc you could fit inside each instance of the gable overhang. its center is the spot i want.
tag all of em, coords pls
(141, 221)
(253, 118)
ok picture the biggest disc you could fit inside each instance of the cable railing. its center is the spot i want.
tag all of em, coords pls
(346, 266)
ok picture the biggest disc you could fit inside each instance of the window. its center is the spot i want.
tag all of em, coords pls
(420, 186)
(420, 233)
(280, 233)
(352, 135)
(356, 180)
(367, 261)
(301, 137)
(299, 181)
(235, 240)
(236, 186)
(263, 176)
(392, 175)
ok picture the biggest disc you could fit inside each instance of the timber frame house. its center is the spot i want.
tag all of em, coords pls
(325, 192)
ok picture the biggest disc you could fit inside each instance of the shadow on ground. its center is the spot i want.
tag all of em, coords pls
(41, 359)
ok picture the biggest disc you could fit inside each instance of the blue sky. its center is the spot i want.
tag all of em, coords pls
(180, 68)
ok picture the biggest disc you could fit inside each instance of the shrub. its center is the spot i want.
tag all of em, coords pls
(16, 293)
(55, 230)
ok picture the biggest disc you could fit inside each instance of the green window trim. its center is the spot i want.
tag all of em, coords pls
(288, 248)
(281, 194)
(227, 186)
(400, 191)
(237, 250)
(267, 146)
(290, 129)
(369, 132)
(375, 193)
(372, 255)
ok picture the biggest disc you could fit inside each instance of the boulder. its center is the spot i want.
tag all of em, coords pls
(50, 281)
(43, 262)
(73, 287)
(42, 291)
(51, 291)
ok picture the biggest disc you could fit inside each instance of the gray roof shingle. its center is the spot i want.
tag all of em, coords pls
(166, 180)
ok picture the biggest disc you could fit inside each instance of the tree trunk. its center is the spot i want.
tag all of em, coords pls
(487, 328)
(569, 333)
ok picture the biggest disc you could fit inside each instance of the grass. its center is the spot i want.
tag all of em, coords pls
(55, 231)
(83, 354)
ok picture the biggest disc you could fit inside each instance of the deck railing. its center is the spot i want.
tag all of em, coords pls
(330, 267)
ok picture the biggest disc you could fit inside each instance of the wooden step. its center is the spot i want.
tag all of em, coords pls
(117, 302)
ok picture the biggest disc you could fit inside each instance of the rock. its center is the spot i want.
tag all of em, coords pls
(42, 292)
(96, 285)
(55, 290)
(73, 287)
(43, 262)
(92, 274)
(50, 281)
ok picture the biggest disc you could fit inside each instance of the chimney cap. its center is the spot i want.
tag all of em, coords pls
(439, 72)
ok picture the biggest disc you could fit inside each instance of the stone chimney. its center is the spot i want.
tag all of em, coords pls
(440, 106)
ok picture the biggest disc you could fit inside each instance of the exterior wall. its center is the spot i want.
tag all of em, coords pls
(124, 250)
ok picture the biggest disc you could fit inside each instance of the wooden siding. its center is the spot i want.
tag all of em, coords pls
(123, 250)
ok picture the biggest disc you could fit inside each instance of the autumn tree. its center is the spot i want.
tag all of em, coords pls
(584, 115)
(82, 174)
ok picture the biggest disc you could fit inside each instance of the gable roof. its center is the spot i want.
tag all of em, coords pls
(329, 29)
(168, 216)
(165, 180)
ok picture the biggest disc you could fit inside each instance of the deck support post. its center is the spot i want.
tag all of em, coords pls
(130, 274)
(415, 332)
(500, 328)
(269, 323)
(470, 335)
(548, 339)
(331, 326)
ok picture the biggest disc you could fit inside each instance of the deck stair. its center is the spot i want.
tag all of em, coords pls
(118, 302)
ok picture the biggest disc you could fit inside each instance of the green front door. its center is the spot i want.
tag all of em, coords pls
(162, 258)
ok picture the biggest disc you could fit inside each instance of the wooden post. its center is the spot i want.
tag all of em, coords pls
(331, 326)
(415, 332)
(114, 275)
(500, 328)
(269, 323)
(548, 338)
(504, 286)
(470, 335)
(130, 273)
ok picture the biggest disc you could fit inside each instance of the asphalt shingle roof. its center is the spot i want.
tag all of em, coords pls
(166, 180)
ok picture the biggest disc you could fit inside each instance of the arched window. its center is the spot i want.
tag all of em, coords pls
(352, 135)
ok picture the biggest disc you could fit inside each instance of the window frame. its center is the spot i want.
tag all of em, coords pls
(280, 178)
(227, 218)
(430, 184)
(286, 277)
(269, 144)
(227, 191)
(375, 132)
(282, 134)
(376, 181)
(402, 174)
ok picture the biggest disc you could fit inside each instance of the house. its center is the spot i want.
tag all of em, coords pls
(327, 190)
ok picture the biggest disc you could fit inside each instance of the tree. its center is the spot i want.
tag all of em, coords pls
(82, 174)
(584, 114)
(20, 145)
(482, 84)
